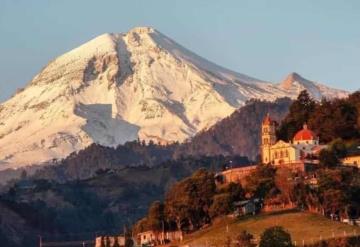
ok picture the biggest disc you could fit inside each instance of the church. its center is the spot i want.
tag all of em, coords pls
(300, 154)
(296, 153)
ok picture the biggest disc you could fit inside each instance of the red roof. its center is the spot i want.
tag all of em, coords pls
(304, 135)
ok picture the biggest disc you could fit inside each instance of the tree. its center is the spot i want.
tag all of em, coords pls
(222, 205)
(102, 242)
(244, 239)
(284, 181)
(188, 201)
(224, 199)
(327, 158)
(261, 181)
(236, 191)
(116, 243)
(107, 241)
(275, 237)
(299, 113)
(23, 174)
(155, 218)
(129, 242)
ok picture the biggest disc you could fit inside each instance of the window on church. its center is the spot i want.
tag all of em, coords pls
(281, 154)
(286, 153)
(276, 154)
(266, 141)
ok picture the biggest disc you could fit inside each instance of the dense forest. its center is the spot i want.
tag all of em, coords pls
(329, 119)
(85, 163)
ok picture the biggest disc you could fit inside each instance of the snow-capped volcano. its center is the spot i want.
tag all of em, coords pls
(120, 87)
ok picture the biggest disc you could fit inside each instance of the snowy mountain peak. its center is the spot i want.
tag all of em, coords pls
(122, 86)
(141, 30)
(295, 83)
(290, 79)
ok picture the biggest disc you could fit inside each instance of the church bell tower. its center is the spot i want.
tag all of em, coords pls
(268, 138)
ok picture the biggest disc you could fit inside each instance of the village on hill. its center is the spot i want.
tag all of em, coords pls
(303, 174)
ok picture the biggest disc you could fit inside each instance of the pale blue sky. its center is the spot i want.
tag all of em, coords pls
(264, 39)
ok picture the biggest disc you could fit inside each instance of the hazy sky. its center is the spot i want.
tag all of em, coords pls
(264, 39)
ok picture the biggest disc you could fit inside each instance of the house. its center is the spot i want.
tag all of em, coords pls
(247, 207)
(294, 154)
(154, 238)
(112, 240)
(352, 158)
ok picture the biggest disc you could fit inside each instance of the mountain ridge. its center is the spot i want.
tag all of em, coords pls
(121, 87)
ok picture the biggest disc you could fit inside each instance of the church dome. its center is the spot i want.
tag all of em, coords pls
(304, 135)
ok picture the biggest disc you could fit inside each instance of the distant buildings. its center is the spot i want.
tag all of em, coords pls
(153, 238)
(110, 241)
(247, 207)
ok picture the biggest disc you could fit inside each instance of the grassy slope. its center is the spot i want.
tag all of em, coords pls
(301, 225)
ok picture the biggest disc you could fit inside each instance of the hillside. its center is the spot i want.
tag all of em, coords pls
(302, 226)
(237, 134)
(87, 162)
(106, 202)
(124, 86)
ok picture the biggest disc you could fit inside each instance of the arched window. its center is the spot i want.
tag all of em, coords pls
(276, 154)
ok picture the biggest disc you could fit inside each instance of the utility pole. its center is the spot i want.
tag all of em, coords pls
(40, 241)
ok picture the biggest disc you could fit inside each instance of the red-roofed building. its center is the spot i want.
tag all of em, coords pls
(304, 145)
(305, 136)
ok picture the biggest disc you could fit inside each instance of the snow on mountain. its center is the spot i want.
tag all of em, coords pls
(295, 83)
(120, 87)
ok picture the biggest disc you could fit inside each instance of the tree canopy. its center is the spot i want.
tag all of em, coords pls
(329, 119)
(275, 236)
